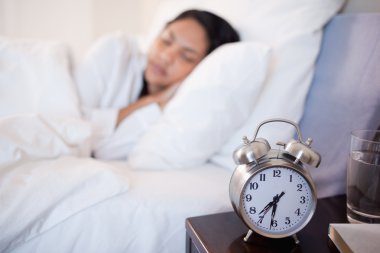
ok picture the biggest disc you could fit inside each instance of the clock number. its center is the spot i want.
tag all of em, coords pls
(287, 220)
(299, 187)
(273, 223)
(290, 178)
(253, 186)
(303, 200)
(262, 177)
(298, 212)
(252, 210)
(248, 197)
(277, 173)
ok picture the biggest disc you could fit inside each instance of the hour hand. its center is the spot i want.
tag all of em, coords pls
(265, 210)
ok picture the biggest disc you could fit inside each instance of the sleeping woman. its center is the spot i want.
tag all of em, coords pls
(123, 91)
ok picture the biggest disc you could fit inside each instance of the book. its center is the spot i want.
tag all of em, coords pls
(355, 238)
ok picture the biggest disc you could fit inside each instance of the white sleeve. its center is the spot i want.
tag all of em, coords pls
(108, 78)
(111, 72)
(92, 76)
(93, 73)
(122, 140)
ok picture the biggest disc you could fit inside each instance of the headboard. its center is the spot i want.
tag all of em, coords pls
(344, 94)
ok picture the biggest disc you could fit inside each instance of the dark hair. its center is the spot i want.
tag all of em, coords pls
(218, 30)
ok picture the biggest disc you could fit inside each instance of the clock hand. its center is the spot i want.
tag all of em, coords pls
(276, 199)
(281, 194)
(269, 205)
(273, 214)
(266, 209)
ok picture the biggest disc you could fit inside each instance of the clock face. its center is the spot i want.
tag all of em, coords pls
(277, 201)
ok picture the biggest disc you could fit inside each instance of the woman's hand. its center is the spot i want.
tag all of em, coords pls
(161, 98)
(164, 96)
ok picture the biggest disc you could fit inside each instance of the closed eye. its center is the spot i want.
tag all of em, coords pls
(188, 58)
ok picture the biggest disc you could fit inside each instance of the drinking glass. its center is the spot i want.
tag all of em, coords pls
(363, 177)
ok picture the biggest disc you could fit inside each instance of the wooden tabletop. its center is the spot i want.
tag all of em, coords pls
(224, 232)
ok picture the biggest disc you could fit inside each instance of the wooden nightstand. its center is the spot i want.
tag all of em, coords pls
(224, 232)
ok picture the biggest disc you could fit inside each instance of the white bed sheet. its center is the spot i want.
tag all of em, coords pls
(149, 217)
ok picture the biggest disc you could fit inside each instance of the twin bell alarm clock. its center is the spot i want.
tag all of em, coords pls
(270, 189)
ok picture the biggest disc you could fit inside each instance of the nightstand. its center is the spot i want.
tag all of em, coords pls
(224, 232)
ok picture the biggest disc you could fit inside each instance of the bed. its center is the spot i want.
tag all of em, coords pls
(59, 199)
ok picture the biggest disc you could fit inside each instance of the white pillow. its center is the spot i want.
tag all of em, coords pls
(35, 77)
(210, 105)
(266, 20)
(289, 78)
(293, 29)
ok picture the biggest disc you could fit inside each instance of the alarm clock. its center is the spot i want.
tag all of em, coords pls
(270, 189)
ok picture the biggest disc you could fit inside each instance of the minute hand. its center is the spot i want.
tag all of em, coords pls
(266, 209)
(273, 214)
(276, 199)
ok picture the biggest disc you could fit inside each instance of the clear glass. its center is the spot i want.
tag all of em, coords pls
(363, 177)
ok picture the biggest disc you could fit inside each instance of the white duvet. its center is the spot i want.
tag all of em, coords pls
(149, 217)
(55, 198)
(37, 195)
(46, 175)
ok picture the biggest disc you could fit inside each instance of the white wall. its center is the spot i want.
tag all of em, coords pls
(77, 22)
(362, 6)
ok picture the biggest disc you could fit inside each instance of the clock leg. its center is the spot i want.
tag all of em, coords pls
(248, 235)
(295, 238)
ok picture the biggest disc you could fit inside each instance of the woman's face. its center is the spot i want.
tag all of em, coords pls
(175, 53)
